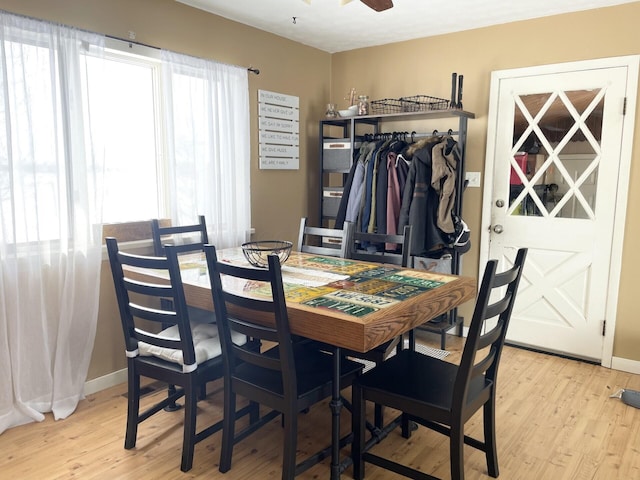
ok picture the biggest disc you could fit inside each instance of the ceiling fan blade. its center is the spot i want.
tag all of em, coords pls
(378, 5)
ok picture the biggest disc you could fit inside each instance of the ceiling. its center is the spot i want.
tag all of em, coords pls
(333, 27)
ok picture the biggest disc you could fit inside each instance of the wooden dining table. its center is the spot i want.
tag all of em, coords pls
(341, 302)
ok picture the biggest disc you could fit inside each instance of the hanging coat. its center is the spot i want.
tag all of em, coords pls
(420, 202)
(444, 160)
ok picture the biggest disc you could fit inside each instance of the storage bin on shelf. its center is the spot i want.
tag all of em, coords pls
(336, 154)
(331, 197)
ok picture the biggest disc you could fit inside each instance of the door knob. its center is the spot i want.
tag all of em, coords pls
(500, 203)
(498, 229)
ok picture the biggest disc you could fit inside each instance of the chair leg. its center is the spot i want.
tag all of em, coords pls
(228, 429)
(456, 452)
(173, 406)
(358, 417)
(406, 426)
(202, 393)
(133, 408)
(189, 434)
(378, 416)
(491, 452)
(171, 389)
(290, 444)
(254, 412)
(412, 340)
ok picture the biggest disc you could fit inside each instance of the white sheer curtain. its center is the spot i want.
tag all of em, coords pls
(50, 253)
(207, 126)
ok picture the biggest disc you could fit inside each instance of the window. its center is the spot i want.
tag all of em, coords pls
(176, 140)
(127, 87)
(127, 134)
(40, 162)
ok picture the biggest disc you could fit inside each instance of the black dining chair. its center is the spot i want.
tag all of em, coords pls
(440, 395)
(393, 249)
(187, 238)
(331, 242)
(177, 355)
(384, 249)
(184, 238)
(286, 377)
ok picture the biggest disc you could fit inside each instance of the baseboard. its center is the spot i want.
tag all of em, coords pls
(106, 381)
(120, 376)
(625, 365)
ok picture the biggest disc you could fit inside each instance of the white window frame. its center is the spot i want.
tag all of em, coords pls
(137, 54)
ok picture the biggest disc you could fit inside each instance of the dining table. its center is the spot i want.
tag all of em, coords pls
(343, 303)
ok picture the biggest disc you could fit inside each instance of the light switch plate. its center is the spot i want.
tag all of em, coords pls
(472, 178)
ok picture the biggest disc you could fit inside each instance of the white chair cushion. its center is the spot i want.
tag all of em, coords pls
(205, 343)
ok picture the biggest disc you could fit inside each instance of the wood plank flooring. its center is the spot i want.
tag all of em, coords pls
(555, 421)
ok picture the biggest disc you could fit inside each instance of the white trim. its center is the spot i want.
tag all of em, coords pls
(189, 368)
(106, 381)
(132, 48)
(625, 365)
(617, 244)
(632, 63)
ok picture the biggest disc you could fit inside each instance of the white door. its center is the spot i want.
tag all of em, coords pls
(557, 174)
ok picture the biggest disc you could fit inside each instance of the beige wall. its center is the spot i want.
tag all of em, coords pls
(422, 66)
(279, 198)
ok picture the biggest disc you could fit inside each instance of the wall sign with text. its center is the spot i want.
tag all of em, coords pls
(279, 130)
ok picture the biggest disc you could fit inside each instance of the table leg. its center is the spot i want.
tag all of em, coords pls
(336, 406)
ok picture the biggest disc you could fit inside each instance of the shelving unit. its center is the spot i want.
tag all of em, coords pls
(339, 139)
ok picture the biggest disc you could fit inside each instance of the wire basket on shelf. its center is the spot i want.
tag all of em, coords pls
(257, 253)
(419, 103)
(386, 105)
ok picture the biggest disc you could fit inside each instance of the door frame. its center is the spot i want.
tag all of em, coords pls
(632, 63)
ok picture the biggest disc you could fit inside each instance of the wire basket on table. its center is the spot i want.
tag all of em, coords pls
(419, 103)
(257, 253)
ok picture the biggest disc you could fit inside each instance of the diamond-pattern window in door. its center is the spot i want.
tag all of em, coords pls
(528, 192)
(556, 152)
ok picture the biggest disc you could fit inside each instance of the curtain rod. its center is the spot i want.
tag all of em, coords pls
(132, 42)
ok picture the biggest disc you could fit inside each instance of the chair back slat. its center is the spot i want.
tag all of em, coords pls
(263, 320)
(490, 337)
(249, 303)
(146, 308)
(158, 341)
(141, 261)
(254, 330)
(324, 241)
(499, 306)
(149, 289)
(482, 351)
(259, 359)
(150, 314)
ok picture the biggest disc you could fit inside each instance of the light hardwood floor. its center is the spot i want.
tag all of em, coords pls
(555, 421)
